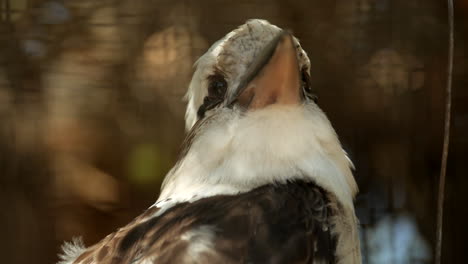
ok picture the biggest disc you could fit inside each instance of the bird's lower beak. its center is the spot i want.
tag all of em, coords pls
(274, 77)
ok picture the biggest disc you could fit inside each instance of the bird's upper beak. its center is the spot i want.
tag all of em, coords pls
(273, 78)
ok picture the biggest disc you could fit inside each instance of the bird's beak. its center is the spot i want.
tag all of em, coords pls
(273, 78)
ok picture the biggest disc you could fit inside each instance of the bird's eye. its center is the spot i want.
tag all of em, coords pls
(217, 86)
(307, 86)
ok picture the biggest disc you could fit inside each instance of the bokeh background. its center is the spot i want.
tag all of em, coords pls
(91, 112)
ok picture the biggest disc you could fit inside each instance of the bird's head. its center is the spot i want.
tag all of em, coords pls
(252, 67)
(253, 119)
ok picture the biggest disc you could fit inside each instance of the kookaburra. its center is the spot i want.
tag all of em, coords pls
(262, 177)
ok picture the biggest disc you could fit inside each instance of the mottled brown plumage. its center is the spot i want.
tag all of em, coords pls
(287, 223)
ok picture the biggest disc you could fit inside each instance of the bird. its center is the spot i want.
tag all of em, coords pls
(261, 177)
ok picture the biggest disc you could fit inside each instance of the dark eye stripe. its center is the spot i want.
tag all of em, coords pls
(217, 87)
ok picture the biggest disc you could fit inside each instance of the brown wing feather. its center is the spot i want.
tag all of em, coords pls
(106, 250)
(287, 223)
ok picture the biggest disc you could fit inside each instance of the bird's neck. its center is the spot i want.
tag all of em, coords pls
(273, 145)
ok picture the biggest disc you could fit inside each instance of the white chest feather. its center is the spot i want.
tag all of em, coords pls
(272, 145)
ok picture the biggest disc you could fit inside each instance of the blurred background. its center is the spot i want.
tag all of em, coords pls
(91, 112)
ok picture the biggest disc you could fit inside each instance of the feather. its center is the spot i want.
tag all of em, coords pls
(277, 223)
(71, 250)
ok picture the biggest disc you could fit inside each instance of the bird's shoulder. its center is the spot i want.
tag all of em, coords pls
(275, 223)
